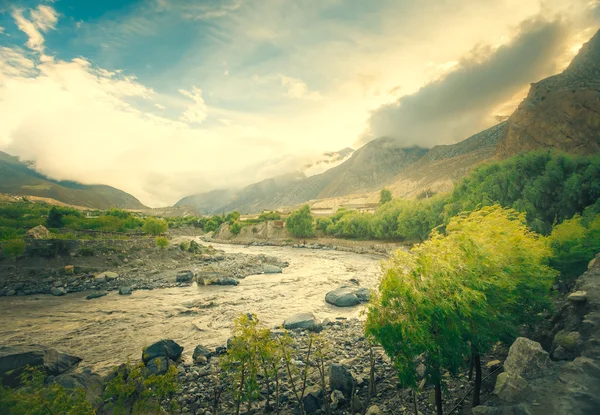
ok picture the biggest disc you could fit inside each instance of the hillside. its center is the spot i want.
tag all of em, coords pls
(20, 179)
(562, 111)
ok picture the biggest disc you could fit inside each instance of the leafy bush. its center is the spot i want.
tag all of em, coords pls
(232, 216)
(323, 223)
(212, 225)
(385, 196)
(155, 226)
(14, 247)
(184, 246)
(161, 242)
(300, 223)
(36, 397)
(269, 216)
(574, 245)
(235, 228)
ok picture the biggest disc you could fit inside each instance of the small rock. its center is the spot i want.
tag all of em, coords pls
(373, 410)
(313, 400)
(201, 351)
(96, 295)
(58, 291)
(125, 290)
(184, 276)
(493, 365)
(337, 399)
(578, 297)
(271, 269)
(306, 321)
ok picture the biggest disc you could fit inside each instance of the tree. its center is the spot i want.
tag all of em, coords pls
(55, 218)
(212, 225)
(300, 223)
(455, 295)
(323, 223)
(161, 242)
(385, 196)
(232, 217)
(155, 226)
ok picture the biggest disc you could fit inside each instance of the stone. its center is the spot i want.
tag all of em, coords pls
(69, 269)
(526, 358)
(97, 294)
(363, 294)
(159, 365)
(184, 276)
(357, 404)
(125, 290)
(110, 276)
(509, 387)
(567, 340)
(341, 379)
(201, 351)
(306, 321)
(577, 297)
(58, 291)
(312, 400)
(337, 399)
(39, 232)
(225, 281)
(374, 410)
(493, 365)
(167, 348)
(272, 269)
(342, 297)
(81, 379)
(14, 359)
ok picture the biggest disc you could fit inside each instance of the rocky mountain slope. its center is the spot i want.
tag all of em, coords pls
(19, 178)
(562, 111)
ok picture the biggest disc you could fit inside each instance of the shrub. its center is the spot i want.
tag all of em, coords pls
(184, 246)
(14, 247)
(155, 226)
(212, 225)
(385, 196)
(161, 242)
(323, 223)
(269, 216)
(300, 223)
(235, 228)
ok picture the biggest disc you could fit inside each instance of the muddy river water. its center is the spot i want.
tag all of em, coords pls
(113, 329)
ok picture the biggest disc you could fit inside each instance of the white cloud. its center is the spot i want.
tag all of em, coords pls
(298, 89)
(41, 19)
(196, 112)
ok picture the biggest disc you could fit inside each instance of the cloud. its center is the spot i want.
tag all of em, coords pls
(197, 112)
(195, 10)
(41, 19)
(462, 101)
(292, 87)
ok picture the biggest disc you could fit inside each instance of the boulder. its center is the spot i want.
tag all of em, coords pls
(125, 290)
(167, 348)
(39, 232)
(84, 379)
(341, 379)
(96, 295)
(225, 281)
(58, 291)
(373, 410)
(509, 387)
(159, 365)
(342, 297)
(567, 340)
(526, 358)
(578, 297)
(14, 359)
(184, 276)
(271, 269)
(306, 321)
(312, 400)
(337, 399)
(363, 294)
(201, 351)
(107, 276)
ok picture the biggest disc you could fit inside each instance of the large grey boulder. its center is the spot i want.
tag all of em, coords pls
(14, 359)
(271, 269)
(313, 400)
(97, 294)
(342, 297)
(526, 358)
(159, 365)
(58, 291)
(201, 352)
(306, 321)
(166, 348)
(363, 294)
(184, 276)
(225, 281)
(125, 290)
(341, 379)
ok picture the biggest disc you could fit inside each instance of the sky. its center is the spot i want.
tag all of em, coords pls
(165, 98)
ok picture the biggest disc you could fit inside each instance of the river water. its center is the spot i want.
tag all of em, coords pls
(113, 329)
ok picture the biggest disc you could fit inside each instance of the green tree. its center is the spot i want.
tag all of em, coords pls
(455, 295)
(235, 228)
(55, 218)
(300, 223)
(155, 226)
(212, 225)
(232, 217)
(323, 223)
(161, 242)
(385, 196)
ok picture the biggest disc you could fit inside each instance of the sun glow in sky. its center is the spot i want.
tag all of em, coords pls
(164, 98)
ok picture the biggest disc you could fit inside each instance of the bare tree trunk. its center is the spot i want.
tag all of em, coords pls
(477, 391)
(372, 386)
(438, 397)
(415, 404)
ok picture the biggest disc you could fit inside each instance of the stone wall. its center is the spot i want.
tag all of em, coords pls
(49, 248)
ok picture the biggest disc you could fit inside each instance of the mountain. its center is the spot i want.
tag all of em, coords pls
(19, 178)
(208, 202)
(562, 111)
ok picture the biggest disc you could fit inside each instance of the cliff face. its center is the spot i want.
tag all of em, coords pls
(562, 111)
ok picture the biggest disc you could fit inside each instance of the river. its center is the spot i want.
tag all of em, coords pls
(113, 329)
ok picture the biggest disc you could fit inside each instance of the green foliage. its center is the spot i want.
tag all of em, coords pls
(269, 216)
(574, 244)
(161, 242)
(323, 224)
(469, 288)
(34, 397)
(232, 217)
(385, 196)
(14, 247)
(212, 225)
(155, 226)
(235, 227)
(550, 187)
(300, 223)
(184, 246)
